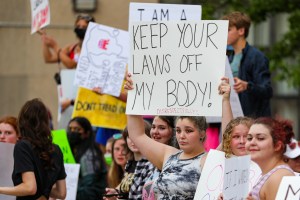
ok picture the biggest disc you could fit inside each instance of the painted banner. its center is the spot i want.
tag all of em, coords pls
(289, 188)
(103, 59)
(163, 12)
(40, 14)
(177, 67)
(60, 138)
(6, 168)
(101, 110)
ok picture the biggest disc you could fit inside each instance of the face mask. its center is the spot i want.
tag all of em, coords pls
(80, 32)
(74, 138)
(108, 158)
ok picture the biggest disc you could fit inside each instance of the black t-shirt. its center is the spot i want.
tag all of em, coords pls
(27, 160)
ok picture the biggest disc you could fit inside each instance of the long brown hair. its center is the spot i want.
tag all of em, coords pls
(33, 124)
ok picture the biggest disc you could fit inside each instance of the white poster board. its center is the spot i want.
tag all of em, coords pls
(234, 98)
(72, 171)
(216, 177)
(103, 59)
(210, 184)
(67, 90)
(163, 12)
(6, 167)
(176, 67)
(289, 188)
(236, 177)
(40, 14)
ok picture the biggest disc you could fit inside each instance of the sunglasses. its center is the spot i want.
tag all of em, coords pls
(87, 18)
(117, 136)
(294, 144)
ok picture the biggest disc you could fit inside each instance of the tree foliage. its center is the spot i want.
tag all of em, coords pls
(284, 55)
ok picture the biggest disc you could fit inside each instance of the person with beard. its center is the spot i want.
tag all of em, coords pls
(93, 172)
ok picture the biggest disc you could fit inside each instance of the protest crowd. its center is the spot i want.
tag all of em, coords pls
(135, 152)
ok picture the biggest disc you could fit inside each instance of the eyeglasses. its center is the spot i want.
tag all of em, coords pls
(88, 18)
(294, 144)
(117, 136)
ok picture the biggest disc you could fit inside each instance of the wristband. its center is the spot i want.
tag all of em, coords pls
(72, 102)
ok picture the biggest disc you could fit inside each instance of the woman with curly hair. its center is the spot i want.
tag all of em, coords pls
(235, 135)
(38, 163)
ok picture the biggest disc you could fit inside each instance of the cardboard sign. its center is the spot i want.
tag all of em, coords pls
(101, 110)
(234, 98)
(176, 67)
(163, 12)
(6, 168)
(60, 138)
(227, 176)
(72, 171)
(40, 14)
(67, 90)
(236, 177)
(103, 59)
(289, 188)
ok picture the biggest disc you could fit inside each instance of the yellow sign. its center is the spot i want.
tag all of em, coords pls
(60, 138)
(101, 110)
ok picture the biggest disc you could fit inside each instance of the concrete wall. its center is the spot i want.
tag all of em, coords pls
(23, 73)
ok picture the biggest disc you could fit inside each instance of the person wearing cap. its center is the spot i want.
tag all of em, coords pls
(292, 155)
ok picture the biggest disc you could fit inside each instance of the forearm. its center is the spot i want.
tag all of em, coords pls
(123, 96)
(19, 190)
(135, 126)
(66, 60)
(227, 115)
(49, 57)
(59, 189)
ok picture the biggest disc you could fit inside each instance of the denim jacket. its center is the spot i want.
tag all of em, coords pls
(254, 69)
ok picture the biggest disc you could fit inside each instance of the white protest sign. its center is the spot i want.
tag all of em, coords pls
(211, 180)
(72, 171)
(234, 98)
(67, 90)
(103, 59)
(163, 12)
(214, 178)
(6, 167)
(289, 188)
(254, 174)
(236, 177)
(40, 14)
(176, 67)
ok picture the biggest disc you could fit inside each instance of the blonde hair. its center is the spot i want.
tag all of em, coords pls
(227, 136)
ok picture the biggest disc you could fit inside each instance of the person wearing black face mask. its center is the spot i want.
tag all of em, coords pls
(67, 55)
(93, 171)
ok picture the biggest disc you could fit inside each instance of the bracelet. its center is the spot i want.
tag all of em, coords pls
(58, 57)
(72, 102)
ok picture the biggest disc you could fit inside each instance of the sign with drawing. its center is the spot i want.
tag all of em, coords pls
(103, 59)
(180, 62)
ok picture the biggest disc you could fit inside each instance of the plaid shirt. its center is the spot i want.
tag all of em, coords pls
(142, 171)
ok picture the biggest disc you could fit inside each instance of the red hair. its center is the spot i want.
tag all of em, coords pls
(280, 130)
(11, 121)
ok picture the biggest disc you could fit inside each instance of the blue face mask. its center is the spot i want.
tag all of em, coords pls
(80, 32)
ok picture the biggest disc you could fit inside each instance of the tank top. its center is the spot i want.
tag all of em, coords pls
(178, 178)
(256, 189)
(73, 55)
